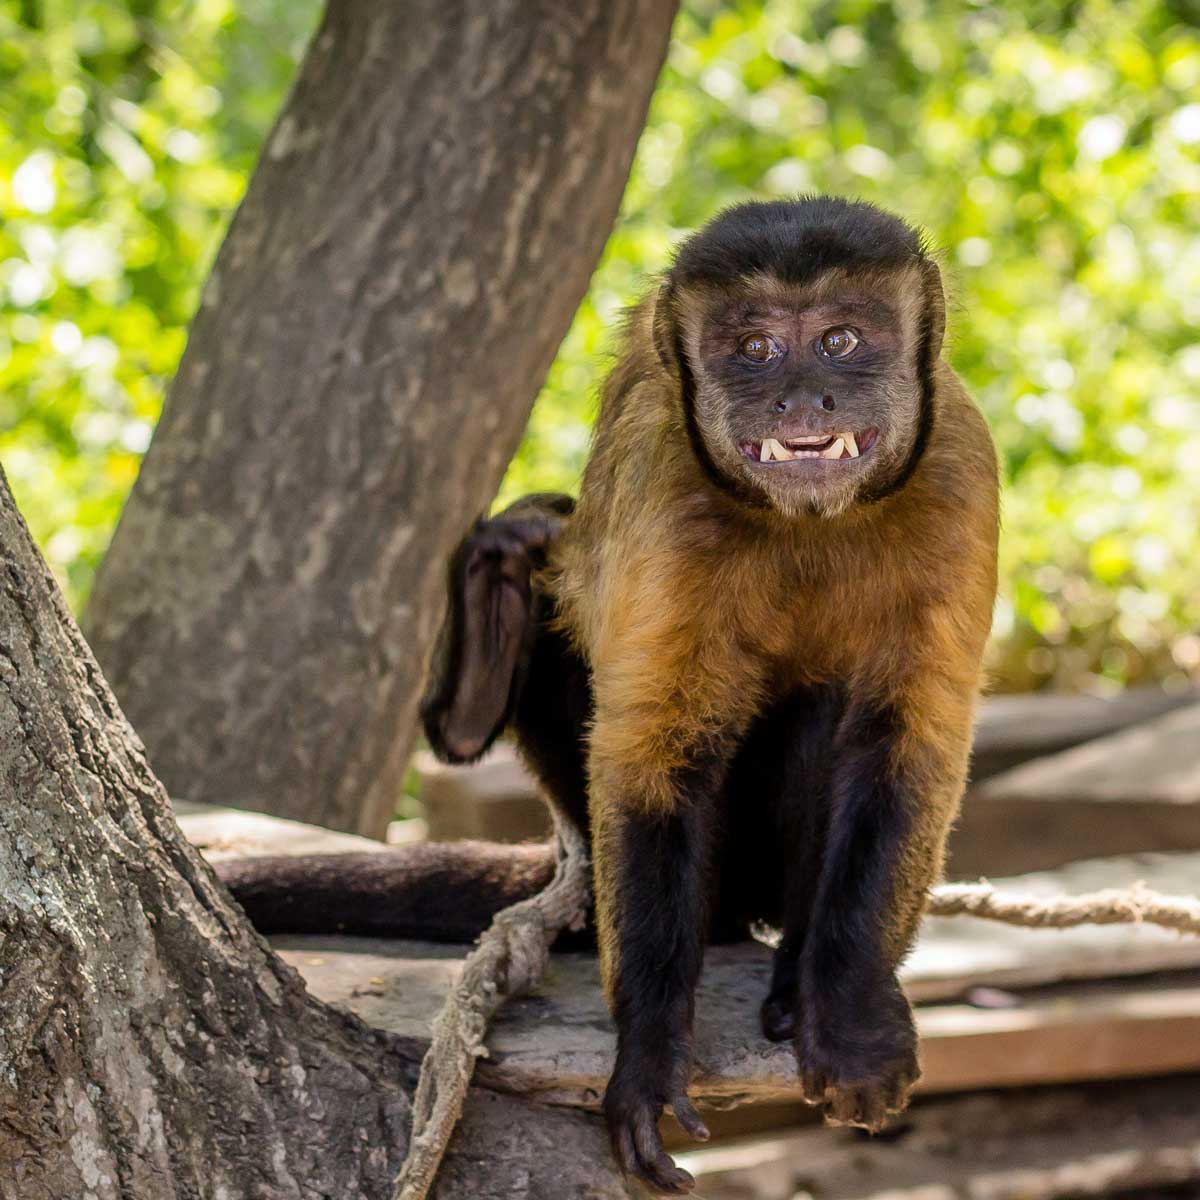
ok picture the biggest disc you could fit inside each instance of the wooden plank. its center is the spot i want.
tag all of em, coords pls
(1135, 791)
(1156, 762)
(557, 1044)
(1043, 1145)
(954, 954)
(234, 833)
(1101, 1030)
(1015, 729)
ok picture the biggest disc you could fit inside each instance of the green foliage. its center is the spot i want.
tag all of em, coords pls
(127, 132)
(1051, 150)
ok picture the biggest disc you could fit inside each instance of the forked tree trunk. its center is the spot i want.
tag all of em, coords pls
(151, 1045)
(417, 236)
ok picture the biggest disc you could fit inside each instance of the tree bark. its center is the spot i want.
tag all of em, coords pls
(151, 1044)
(417, 236)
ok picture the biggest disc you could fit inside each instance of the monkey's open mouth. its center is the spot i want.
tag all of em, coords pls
(817, 445)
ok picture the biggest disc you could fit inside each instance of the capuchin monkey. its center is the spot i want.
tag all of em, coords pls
(746, 662)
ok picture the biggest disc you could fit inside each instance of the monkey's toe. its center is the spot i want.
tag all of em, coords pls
(779, 1018)
(637, 1146)
(863, 1102)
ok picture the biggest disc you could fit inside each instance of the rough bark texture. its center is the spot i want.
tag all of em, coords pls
(419, 231)
(151, 1045)
(533, 1152)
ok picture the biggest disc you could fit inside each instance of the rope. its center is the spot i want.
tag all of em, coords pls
(508, 961)
(1137, 905)
(511, 957)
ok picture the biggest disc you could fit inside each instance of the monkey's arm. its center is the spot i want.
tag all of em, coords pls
(899, 769)
(483, 648)
(652, 872)
(669, 714)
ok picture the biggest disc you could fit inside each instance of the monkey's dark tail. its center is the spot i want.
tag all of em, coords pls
(433, 891)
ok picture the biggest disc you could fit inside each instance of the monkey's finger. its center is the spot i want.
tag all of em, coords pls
(862, 1107)
(656, 1166)
(689, 1118)
(815, 1086)
(896, 1094)
(623, 1150)
(534, 533)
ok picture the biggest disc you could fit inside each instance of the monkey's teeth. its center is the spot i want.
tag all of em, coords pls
(851, 444)
(834, 451)
(772, 449)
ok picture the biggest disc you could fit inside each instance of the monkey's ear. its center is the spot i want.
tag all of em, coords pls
(935, 307)
(665, 329)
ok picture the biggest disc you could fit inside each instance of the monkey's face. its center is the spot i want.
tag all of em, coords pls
(811, 396)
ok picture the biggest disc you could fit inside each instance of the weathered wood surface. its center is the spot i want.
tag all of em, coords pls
(1138, 790)
(1058, 1142)
(234, 833)
(557, 1043)
(1155, 763)
(1015, 729)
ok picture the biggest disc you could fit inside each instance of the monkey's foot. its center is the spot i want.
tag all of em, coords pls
(865, 1101)
(632, 1111)
(779, 1017)
(860, 1070)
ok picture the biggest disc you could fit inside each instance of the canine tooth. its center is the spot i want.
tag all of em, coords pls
(834, 451)
(771, 449)
(851, 444)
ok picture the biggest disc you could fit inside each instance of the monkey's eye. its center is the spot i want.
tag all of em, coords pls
(837, 343)
(759, 348)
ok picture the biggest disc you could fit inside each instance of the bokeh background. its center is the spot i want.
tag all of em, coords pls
(1051, 150)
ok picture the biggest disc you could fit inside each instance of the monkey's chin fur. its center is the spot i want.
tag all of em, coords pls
(825, 501)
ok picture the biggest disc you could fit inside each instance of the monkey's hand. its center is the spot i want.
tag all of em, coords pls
(858, 1061)
(637, 1093)
(478, 663)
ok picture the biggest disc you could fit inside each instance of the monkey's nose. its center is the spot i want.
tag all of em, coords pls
(787, 404)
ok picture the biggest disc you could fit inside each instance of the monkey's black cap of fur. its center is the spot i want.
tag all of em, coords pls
(796, 240)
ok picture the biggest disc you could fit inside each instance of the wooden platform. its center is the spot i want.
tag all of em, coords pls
(1015, 729)
(1109, 1003)
(1037, 1145)
(1137, 790)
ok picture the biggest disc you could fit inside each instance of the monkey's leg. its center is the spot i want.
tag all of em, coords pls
(652, 884)
(483, 649)
(893, 797)
(777, 808)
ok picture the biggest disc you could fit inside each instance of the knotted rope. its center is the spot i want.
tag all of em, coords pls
(508, 961)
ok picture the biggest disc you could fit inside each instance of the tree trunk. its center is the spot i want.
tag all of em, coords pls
(420, 229)
(152, 1047)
